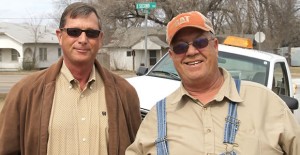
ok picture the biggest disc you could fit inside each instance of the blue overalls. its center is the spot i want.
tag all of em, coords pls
(231, 126)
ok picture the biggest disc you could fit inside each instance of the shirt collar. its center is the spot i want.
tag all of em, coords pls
(177, 95)
(228, 90)
(68, 75)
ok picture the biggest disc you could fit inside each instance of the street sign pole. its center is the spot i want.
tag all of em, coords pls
(145, 7)
(146, 34)
(259, 38)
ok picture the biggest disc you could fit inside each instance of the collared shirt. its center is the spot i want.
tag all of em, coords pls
(78, 122)
(267, 127)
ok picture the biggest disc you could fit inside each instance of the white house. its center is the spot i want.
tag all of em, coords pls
(127, 47)
(18, 43)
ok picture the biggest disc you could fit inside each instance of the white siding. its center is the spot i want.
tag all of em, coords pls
(7, 42)
(140, 58)
(295, 56)
(52, 55)
(6, 63)
(119, 59)
(15, 36)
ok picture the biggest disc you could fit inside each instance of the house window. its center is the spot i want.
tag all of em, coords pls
(43, 54)
(129, 53)
(14, 55)
(59, 52)
(152, 57)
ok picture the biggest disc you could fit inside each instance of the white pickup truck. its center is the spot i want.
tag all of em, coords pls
(247, 64)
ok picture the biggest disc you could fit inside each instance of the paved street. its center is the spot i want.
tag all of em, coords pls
(8, 80)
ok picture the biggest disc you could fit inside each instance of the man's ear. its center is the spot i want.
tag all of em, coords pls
(170, 53)
(101, 35)
(216, 44)
(58, 35)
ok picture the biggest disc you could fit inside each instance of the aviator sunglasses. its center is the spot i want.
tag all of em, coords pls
(182, 47)
(76, 32)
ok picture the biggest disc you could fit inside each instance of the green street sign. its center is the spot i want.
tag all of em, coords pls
(146, 5)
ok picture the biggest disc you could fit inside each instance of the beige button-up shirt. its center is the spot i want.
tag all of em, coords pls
(267, 127)
(78, 122)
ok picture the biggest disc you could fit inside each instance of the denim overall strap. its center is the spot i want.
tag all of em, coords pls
(161, 141)
(232, 123)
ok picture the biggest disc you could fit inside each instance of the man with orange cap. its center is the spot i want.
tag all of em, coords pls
(212, 113)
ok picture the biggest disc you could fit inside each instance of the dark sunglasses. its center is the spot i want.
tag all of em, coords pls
(182, 47)
(76, 32)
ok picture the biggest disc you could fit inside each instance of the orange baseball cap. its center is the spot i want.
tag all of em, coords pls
(188, 19)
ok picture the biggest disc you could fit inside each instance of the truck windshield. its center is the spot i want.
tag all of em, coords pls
(164, 69)
(243, 67)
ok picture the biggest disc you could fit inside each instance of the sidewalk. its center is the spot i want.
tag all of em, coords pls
(125, 74)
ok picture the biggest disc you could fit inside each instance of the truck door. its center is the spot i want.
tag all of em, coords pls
(280, 79)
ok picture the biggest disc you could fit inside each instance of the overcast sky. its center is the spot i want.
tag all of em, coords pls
(18, 11)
